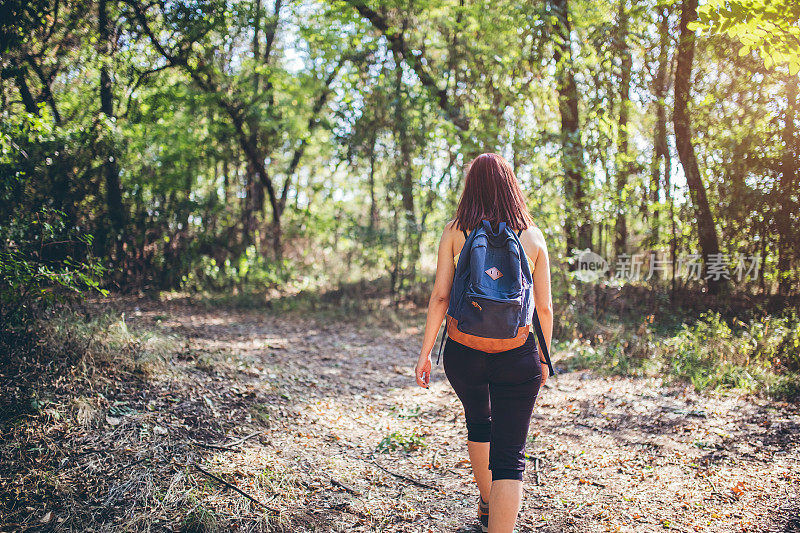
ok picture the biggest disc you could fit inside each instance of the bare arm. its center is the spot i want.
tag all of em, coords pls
(535, 247)
(437, 305)
(542, 296)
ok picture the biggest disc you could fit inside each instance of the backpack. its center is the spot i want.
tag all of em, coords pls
(491, 301)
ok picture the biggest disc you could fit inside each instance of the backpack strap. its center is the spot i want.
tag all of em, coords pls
(542, 344)
(441, 345)
(537, 326)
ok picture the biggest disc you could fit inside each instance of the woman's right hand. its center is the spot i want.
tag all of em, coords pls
(423, 371)
(545, 373)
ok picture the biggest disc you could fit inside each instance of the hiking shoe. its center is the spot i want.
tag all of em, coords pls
(483, 514)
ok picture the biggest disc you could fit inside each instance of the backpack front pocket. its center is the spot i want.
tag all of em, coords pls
(489, 317)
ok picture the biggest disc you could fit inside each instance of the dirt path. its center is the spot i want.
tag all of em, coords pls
(609, 454)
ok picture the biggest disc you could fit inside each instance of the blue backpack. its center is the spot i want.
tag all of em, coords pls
(491, 302)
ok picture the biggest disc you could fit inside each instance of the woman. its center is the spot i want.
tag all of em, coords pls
(508, 381)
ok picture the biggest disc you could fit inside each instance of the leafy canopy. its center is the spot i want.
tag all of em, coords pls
(770, 27)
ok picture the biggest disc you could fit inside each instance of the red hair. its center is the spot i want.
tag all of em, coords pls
(492, 192)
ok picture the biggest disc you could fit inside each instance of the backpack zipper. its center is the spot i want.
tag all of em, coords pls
(472, 295)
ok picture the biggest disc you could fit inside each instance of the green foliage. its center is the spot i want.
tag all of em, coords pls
(397, 440)
(771, 27)
(713, 354)
(42, 261)
(45, 256)
(706, 353)
(364, 162)
(30, 273)
(759, 355)
(18, 18)
(624, 350)
(251, 270)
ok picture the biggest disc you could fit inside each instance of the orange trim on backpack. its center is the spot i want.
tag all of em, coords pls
(484, 344)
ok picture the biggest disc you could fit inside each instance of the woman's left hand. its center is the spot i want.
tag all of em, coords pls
(423, 371)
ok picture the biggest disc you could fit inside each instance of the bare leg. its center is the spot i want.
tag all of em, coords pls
(504, 502)
(479, 457)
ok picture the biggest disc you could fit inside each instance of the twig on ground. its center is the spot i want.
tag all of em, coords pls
(349, 489)
(714, 491)
(229, 447)
(595, 428)
(406, 478)
(240, 441)
(88, 452)
(235, 488)
(723, 496)
(536, 470)
(215, 447)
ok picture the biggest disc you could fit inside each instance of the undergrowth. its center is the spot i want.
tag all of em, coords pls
(711, 353)
(96, 431)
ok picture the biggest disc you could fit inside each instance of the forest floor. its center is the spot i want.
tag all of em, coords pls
(321, 422)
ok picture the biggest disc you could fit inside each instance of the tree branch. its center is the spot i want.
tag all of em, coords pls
(313, 123)
(203, 78)
(400, 49)
(235, 488)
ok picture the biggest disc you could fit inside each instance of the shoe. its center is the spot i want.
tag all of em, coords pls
(483, 514)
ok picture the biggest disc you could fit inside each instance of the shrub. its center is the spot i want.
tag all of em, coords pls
(44, 254)
(42, 261)
(250, 270)
(713, 354)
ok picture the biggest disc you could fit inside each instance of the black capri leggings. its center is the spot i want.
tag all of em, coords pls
(508, 382)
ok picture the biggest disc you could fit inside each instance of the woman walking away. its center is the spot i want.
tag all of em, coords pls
(495, 304)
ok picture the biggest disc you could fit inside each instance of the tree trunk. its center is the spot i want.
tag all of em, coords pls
(623, 158)
(25, 92)
(225, 181)
(405, 172)
(577, 225)
(255, 179)
(117, 213)
(706, 228)
(373, 208)
(660, 167)
(46, 90)
(786, 244)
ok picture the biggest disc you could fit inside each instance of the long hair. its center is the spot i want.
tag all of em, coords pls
(492, 192)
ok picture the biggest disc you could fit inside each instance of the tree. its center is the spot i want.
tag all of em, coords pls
(254, 113)
(706, 228)
(661, 163)
(786, 200)
(577, 224)
(116, 210)
(623, 157)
